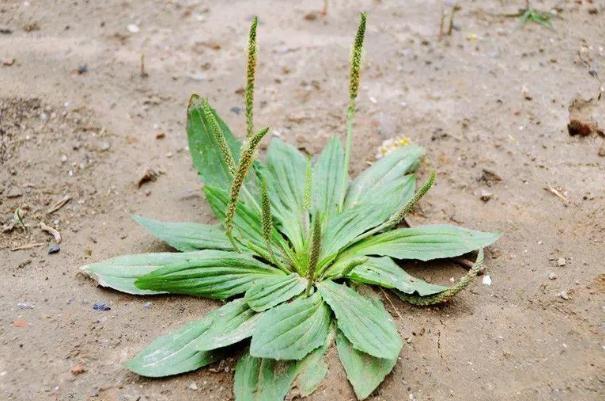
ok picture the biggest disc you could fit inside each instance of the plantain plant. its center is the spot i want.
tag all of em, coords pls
(296, 240)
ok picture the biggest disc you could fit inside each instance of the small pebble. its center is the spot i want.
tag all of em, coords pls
(14, 193)
(101, 307)
(487, 280)
(147, 305)
(485, 195)
(552, 276)
(564, 295)
(192, 386)
(54, 248)
(133, 28)
(23, 305)
(561, 262)
(77, 369)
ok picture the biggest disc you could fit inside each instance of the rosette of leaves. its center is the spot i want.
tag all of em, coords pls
(296, 239)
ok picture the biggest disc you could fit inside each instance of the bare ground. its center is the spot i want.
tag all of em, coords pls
(78, 120)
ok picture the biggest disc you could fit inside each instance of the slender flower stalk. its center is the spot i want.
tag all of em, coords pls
(217, 133)
(250, 73)
(246, 160)
(266, 218)
(354, 80)
(308, 188)
(400, 215)
(315, 251)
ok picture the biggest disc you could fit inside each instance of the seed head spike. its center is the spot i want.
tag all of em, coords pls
(217, 133)
(356, 60)
(250, 73)
(399, 216)
(354, 80)
(315, 251)
(246, 159)
(308, 188)
(267, 220)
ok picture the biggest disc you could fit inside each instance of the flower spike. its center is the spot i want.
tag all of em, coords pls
(246, 159)
(250, 72)
(219, 137)
(354, 80)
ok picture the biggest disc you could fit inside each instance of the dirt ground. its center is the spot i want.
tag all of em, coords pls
(489, 102)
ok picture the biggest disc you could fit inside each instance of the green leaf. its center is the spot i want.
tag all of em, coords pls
(345, 228)
(285, 173)
(210, 274)
(204, 149)
(384, 177)
(423, 242)
(328, 176)
(232, 323)
(384, 272)
(258, 379)
(364, 371)
(271, 291)
(293, 330)
(248, 223)
(120, 273)
(173, 353)
(342, 229)
(313, 368)
(365, 323)
(186, 236)
(449, 292)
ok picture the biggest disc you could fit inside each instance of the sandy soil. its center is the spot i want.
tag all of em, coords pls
(78, 120)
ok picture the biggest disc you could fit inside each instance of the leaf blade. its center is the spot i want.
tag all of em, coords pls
(258, 379)
(173, 354)
(285, 174)
(365, 323)
(208, 273)
(424, 242)
(364, 372)
(204, 149)
(185, 236)
(121, 272)
(271, 291)
(232, 323)
(373, 184)
(291, 331)
(384, 272)
(328, 176)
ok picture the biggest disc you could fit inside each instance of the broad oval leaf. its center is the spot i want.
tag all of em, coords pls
(210, 274)
(423, 242)
(365, 323)
(173, 353)
(365, 372)
(120, 273)
(186, 236)
(271, 291)
(232, 323)
(204, 148)
(378, 182)
(384, 272)
(259, 379)
(313, 368)
(285, 174)
(293, 330)
(328, 178)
